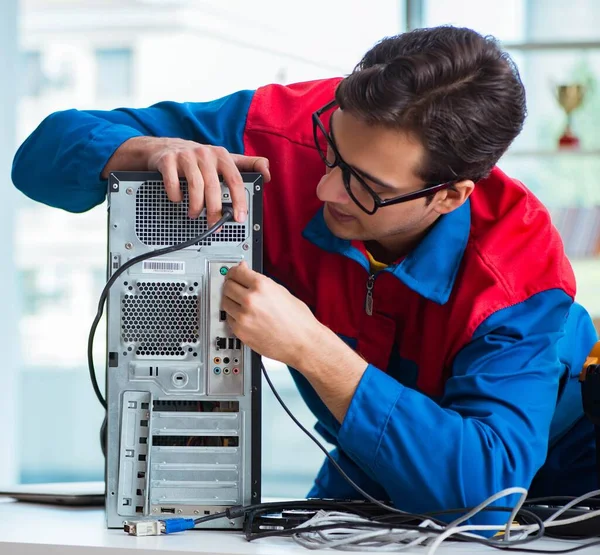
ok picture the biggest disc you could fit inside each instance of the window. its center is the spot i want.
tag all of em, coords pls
(33, 77)
(114, 77)
(553, 43)
(193, 51)
(505, 20)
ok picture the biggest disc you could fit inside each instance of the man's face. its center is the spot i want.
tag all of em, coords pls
(387, 160)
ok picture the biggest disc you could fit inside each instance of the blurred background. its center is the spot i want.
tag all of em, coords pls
(102, 54)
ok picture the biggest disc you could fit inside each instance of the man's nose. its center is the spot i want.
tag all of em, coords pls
(331, 187)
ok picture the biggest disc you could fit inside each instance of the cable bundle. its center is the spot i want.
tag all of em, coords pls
(351, 532)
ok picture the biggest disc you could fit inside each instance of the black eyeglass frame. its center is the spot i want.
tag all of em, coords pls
(348, 170)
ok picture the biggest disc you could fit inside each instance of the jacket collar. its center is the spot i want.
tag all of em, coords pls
(429, 270)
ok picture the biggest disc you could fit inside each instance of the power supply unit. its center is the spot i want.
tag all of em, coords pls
(183, 393)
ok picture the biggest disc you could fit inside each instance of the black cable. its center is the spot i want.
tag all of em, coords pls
(549, 551)
(227, 216)
(331, 459)
(208, 518)
(562, 499)
(429, 516)
(307, 504)
(462, 537)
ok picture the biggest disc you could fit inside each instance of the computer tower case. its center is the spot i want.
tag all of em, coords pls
(183, 393)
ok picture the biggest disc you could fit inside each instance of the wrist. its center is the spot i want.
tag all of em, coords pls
(320, 348)
(309, 345)
(134, 154)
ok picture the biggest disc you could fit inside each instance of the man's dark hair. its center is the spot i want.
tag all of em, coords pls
(453, 89)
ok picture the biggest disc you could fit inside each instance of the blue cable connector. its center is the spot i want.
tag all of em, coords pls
(173, 525)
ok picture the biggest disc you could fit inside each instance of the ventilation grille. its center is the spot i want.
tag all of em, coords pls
(161, 320)
(160, 222)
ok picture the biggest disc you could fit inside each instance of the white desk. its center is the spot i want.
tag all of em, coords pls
(30, 529)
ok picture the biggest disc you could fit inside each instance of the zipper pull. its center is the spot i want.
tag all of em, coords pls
(369, 299)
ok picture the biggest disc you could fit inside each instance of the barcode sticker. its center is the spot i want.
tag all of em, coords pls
(163, 267)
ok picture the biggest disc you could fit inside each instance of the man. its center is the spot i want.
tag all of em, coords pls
(421, 297)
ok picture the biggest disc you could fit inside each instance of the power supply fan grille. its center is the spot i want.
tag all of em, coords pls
(160, 320)
(160, 222)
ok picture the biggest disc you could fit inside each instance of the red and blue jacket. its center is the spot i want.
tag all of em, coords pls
(475, 341)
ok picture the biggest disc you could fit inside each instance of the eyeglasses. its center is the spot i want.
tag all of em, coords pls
(362, 195)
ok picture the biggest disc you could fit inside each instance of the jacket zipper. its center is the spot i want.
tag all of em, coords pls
(369, 298)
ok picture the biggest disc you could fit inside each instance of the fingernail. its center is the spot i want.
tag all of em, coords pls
(240, 217)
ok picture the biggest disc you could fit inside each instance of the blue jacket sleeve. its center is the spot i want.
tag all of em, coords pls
(60, 163)
(329, 483)
(490, 430)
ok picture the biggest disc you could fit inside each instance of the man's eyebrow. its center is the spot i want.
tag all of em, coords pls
(374, 179)
(363, 173)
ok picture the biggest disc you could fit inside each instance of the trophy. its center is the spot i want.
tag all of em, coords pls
(570, 98)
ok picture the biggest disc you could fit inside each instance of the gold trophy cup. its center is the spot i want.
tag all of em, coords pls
(570, 97)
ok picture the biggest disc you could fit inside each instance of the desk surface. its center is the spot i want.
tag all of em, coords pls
(31, 529)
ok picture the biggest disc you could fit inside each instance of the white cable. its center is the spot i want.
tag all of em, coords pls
(527, 529)
(453, 527)
(489, 501)
(356, 538)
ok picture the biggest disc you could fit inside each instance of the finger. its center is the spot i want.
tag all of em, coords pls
(195, 185)
(167, 166)
(212, 190)
(253, 164)
(232, 323)
(232, 308)
(235, 291)
(235, 183)
(243, 275)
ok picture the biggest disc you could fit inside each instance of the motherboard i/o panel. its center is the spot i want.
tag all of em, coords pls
(183, 393)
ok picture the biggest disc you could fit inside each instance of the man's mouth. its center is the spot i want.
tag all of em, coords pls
(338, 216)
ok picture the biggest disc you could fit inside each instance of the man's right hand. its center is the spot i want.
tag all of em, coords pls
(199, 164)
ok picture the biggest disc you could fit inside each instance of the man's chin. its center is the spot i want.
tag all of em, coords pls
(340, 230)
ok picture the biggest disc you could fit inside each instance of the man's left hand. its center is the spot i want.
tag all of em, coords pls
(266, 317)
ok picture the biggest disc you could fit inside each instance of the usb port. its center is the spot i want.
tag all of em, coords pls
(238, 343)
(169, 510)
(222, 315)
(230, 340)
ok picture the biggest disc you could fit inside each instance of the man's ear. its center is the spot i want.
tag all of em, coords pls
(450, 199)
